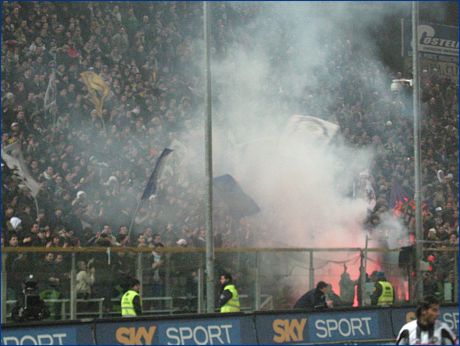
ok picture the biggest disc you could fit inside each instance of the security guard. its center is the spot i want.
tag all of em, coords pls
(383, 294)
(229, 300)
(131, 304)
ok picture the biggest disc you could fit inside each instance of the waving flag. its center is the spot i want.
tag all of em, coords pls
(312, 128)
(97, 88)
(12, 155)
(151, 187)
(229, 193)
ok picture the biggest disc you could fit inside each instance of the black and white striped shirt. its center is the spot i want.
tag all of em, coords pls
(438, 333)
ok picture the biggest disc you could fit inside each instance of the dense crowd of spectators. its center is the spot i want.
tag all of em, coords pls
(92, 169)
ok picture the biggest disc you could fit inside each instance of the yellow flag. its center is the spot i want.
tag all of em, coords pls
(97, 88)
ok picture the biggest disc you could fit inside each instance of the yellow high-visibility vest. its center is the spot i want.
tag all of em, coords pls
(127, 305)
(233, 305)
(386, 297)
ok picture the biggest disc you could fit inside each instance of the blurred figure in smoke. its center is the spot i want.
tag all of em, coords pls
(332, 296)
(347, 288)
(315, 298)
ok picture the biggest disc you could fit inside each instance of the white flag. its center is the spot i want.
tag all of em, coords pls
(316, 129)
(12, 155)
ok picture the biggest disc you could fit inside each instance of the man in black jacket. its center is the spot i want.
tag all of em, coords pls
(315, 298)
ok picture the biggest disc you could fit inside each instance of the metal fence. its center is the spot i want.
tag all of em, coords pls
(267, 279)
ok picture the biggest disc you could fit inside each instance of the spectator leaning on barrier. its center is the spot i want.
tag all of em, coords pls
(131, 304)
(426, 329)
(315, 298)
(229, 300)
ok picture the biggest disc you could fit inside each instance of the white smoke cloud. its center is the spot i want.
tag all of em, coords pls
(299, 185)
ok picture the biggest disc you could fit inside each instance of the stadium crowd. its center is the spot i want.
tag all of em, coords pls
(92, 168)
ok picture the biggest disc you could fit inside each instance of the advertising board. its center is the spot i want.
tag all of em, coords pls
(58, 335)
(436, 42)
(209, 331)
(323, 327)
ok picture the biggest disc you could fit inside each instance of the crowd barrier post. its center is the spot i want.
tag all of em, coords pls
(200, 306)
(4, 289)
(139, 271)
(311, 281)
(73, 291)
(257, 282)
(456, 279)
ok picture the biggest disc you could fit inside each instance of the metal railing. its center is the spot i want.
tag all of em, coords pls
(282, 274)
(167, 304)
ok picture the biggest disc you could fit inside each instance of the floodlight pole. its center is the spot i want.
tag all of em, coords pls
(417, 154)
(208, 158)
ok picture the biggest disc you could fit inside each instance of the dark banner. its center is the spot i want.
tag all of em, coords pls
(58, 335)
(201, 331)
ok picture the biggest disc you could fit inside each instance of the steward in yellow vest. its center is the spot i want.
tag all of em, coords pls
(131, 304)
(229, 300)
(383, 294)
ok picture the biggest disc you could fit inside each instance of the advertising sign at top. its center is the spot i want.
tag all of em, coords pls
(437, 42)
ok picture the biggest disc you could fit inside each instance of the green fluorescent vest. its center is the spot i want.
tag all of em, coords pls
(127, 306)
(233, 305)
(386, 297)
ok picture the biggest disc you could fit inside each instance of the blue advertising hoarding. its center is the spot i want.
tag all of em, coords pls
(208, 331)
(287, 328)
(350, 325)
(323, 327)
(356, 326)
(58, 335)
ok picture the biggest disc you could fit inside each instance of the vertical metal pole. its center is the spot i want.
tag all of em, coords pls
(168, 275)
(257, 282)
(417, 154)
(456, 277)
(362, 277)
(4, 287)
(73, 291)
(139, 273)
(364, 268)
(311, 280)
(200, 291)
(208, 159)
